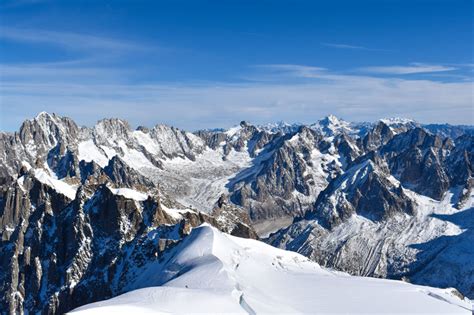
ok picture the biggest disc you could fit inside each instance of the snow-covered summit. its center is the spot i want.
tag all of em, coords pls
(332, 125)
(280, 126)
(210, 272)
(397, 121)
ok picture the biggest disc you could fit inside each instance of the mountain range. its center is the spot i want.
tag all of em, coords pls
(83, 208)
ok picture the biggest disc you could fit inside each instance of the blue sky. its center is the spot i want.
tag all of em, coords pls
(202, 64)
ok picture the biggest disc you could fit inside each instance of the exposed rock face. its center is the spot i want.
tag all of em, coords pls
(460, 167)
(34, 141)
(365, 190)
(71, 228)
(395, 211)
(377, 137)
(59, 253)
(232, 219)
(271, 172)
(416, 158)
(289, 173)
(449, 131)
(124, 176)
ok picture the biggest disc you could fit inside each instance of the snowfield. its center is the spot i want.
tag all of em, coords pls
(212, 272)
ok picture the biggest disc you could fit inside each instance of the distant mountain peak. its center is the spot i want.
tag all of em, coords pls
(397, 121)
(332, 125)
(332, 119)
(43, 114)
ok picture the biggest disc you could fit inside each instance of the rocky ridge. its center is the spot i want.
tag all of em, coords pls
(84, 204)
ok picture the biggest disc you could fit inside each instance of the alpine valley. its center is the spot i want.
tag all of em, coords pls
(169, 221)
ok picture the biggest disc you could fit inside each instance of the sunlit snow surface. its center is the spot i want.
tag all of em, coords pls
(129, 193)
(60, 186)
(211, 272)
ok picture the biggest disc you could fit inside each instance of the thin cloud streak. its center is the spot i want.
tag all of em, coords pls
(68, 40)
(294, 93)
(353, 47)
(301, 71)
(412, 68)
(76, 71)
(195, 106)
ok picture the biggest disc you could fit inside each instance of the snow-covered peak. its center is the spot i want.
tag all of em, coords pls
(211, 272)
(397, 121)
(331, 126)
(332, 119)
(46, 120)
(233, 131)
(111, 130)
(398, 124)
(42, 115)
(45, 131)
(236, 132)
(109, 124)
(280, 126)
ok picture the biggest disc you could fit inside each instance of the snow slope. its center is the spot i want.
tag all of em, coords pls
(60, 186)
(212, 272)
(129, 193)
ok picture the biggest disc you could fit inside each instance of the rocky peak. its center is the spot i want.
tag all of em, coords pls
(416, 158)
(416, 137)
(244, 124)
(244, 136)
(124, 176)
(365, 189)
(143, 129)
(280, 127)
(46, 130)
(331, 120)
(172, 142)
(111, 130)
(398, 124)
(380, 134)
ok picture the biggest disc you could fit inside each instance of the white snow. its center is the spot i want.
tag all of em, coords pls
(26, 164)
(211, 272)
(88, 152)
(331, 125)
(134, 158)
(108, 151)
(199, 183)
(129, 193)
(175, 213)
(60, 186)
(397, 121)
(231, 132)
(147, 142)
(21, 181)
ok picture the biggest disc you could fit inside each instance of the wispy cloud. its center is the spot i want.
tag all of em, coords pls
(353, 47)
(94, 58)
(412, 68)
(74, 41)
(74, 71)
(302, 71)
(217, 104)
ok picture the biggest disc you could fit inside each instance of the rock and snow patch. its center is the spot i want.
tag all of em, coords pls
(129, 193)
(88, 152)
(211, 272)
(175, 213)
(58, 185)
